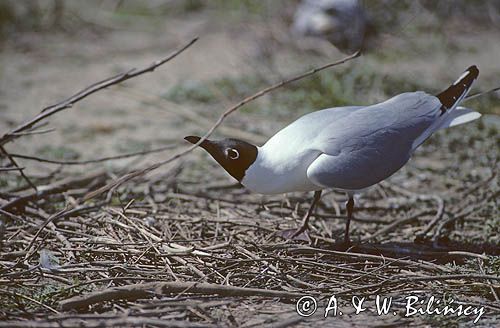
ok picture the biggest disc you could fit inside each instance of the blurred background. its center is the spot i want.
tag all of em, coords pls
(52, 48)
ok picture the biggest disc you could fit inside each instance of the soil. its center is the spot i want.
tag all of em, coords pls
(198, 206)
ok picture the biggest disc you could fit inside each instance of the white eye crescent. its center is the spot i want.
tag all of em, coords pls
(232, 153)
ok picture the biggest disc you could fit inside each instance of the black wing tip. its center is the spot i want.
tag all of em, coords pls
(474, 71)
(456, 91)
(468, 76)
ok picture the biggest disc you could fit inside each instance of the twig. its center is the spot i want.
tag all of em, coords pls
(27, 133)
(493, 291)
(173, 108)
(478, 94)
(93, 88)
(272, 267)
(439, 211)
(47, 221)
(8, 169)
(56, 187)
(29, 299)
(131, 175)
(425, 265)
(437, 217)
(117, 321)
(147, 290)
(12, 216)
(12, 160)
(421, 278)
(97, 160)
(396, 223)
(457, 216)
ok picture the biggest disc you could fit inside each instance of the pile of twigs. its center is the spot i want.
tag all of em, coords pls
(183, 252)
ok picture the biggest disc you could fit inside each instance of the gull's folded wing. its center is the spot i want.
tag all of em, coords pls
(371, 144)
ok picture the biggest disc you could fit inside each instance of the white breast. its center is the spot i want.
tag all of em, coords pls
(281, 164)
(270, 175)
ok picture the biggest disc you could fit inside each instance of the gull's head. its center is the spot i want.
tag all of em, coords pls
(234, 155)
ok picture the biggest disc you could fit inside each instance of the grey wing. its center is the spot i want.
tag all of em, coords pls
(373, 143)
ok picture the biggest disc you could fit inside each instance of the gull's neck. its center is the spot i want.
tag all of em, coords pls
(277, 171)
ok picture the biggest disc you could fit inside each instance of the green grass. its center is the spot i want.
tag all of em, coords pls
(352, 86)
(58, 152)
(130, 145)
(356, 85)
(213, 91)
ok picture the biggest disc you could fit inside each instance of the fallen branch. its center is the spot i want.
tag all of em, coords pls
(97, 160)
(478, 94)
(148, 290)
(56, 187)
(395, 224)
(7, 169)
(118, 321)
(399, 261)
(394, 280)
(13, 161)
(170, 107)
(91, 89)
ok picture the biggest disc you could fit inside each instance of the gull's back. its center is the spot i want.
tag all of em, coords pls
(371, 144)
(353, 148)
(349, 147)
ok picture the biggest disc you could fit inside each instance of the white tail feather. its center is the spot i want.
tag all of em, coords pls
(456, 116)
(451, 113)
(459, 116)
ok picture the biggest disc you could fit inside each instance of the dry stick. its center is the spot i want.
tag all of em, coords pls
(13, 161)
(117, 321)
(478, 94)
(56, 187)
(12, 216)
(97, 160)
(47, 221)
(422, 264)
(396, 223)
(439, 201)
(7, 169)
(272, 267)
(26, 133)
(462, 214)
(93, 88)
(170, 107)
(69, 209)
(147, 290)
(493, 291)
(129, 176)
(436, 219)
(17, 294)
(424, 278)
(57, 233)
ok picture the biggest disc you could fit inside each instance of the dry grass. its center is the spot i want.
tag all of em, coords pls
(185, 247)
(182, 228)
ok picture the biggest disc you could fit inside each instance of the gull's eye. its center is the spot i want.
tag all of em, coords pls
(232, 153)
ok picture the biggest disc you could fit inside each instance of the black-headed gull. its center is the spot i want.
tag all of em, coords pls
(342, 22)
(344, 148)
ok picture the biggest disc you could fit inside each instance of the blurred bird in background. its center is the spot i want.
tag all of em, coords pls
(344, 23)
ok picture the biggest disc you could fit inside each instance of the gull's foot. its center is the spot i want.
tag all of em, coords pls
(294, 234)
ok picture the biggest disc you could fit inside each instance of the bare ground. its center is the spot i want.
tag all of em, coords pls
(187, 222)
